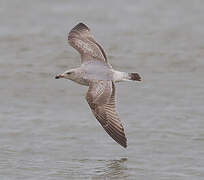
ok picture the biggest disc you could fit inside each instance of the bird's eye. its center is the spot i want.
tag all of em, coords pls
(68, 72)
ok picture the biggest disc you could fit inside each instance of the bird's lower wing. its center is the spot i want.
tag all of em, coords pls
(101, 99)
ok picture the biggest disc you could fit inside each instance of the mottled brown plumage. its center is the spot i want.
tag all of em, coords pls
(98, 74)
(101, 94)
(82, 40)
(101, 99)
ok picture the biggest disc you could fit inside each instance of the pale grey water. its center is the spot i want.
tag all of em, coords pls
(46, 128)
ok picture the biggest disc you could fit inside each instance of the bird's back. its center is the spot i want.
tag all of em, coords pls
(97, 70)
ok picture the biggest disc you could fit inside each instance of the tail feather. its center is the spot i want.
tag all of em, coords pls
(134, 76)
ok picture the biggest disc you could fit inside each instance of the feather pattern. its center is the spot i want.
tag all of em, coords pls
(81, 38)
(101, 99)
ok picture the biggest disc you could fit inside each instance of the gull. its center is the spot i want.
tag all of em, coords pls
(96, 73)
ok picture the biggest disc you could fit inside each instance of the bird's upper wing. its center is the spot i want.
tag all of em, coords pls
(101, 99)
(81, 38)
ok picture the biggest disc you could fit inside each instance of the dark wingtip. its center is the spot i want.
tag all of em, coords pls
(125, 143)
(81, 26)
(125, 146)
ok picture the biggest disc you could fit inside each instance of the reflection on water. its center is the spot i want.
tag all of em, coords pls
(96, 169)
(112, 169)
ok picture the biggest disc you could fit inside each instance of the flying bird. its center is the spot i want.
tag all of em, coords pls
(97, 73)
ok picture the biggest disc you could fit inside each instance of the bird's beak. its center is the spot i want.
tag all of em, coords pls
(59, 76)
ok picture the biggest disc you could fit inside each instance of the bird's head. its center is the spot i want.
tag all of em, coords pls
(67, 75)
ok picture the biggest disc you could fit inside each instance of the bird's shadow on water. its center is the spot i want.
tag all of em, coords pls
(111, 169)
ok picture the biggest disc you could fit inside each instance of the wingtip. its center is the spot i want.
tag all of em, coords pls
(124, 144)
(81, 25)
